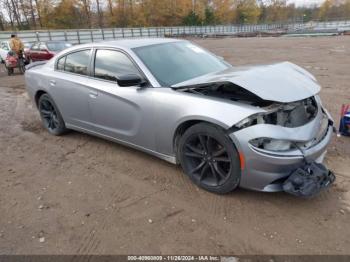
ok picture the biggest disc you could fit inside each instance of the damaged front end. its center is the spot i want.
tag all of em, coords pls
(283, 146)
(285, 142)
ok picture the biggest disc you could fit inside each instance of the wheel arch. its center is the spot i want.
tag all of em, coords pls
(186, 124)
(37, 96)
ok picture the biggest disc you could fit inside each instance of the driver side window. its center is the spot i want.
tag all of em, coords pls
(110, 64)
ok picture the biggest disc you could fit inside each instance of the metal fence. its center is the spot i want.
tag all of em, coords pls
(79, 36)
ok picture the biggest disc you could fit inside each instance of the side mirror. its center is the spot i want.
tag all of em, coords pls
(130, 80)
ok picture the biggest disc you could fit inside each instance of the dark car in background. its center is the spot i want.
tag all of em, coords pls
(41, 51)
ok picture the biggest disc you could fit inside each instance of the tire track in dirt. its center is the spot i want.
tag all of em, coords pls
(7, 110)
(119, 200)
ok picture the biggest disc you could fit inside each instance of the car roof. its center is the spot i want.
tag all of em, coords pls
(49, 41)
(133, 43)
(55, 41)
(125, 44)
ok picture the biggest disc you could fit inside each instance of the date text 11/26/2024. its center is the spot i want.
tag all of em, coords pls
(173, 258)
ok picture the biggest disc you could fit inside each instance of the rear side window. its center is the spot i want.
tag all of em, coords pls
(76, 62)
(110, 64)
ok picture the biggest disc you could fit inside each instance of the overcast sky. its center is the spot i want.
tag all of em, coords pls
(306, 2)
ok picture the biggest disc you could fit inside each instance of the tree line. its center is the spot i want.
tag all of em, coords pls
(71, 14)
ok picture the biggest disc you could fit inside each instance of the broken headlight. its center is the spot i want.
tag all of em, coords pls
(250, 121)
(270, 144)
(290, 115)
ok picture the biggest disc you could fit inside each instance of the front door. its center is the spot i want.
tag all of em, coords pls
(124, 113)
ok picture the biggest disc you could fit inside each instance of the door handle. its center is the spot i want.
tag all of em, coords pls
(93, 94)
(52, 82)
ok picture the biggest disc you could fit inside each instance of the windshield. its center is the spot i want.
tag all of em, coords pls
(173, 63)
(58, 46)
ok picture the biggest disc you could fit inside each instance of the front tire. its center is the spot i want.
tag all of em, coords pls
(209, 157)
(51, 116)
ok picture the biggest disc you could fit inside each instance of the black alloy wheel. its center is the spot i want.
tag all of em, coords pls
(208, 156)
(51, 116)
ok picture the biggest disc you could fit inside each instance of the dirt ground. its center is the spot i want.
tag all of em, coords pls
(78, 194)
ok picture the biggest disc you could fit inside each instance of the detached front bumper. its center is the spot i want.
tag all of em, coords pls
(309, 180)
(267, 170)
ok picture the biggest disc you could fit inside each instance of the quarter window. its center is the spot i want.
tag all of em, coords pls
(77, 62)
(60, 63)
(109, 65)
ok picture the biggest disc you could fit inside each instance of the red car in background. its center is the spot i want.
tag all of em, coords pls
(41, 51)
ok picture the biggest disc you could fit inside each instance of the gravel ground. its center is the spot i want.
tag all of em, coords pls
(78, 194)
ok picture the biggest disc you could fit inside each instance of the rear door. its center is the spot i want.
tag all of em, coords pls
(70, 87)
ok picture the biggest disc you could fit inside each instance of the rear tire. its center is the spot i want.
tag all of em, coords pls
(21, 66)
(208, 156)
(10, 71)
(51, 116)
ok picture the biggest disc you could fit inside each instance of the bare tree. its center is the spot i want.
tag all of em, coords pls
(110, 7)
(32, 13)
(8, 9)
(131, 11)
(2, 26)
(38, 12)
(87, 11)
(99, 14)
(24, 9)
(15, 13)
(122, 13)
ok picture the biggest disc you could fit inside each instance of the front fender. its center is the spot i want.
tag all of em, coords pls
(173, 108)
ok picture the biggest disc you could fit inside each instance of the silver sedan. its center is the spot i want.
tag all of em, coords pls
(257, 127)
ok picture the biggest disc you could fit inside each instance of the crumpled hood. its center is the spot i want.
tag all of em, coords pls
(282, 82)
